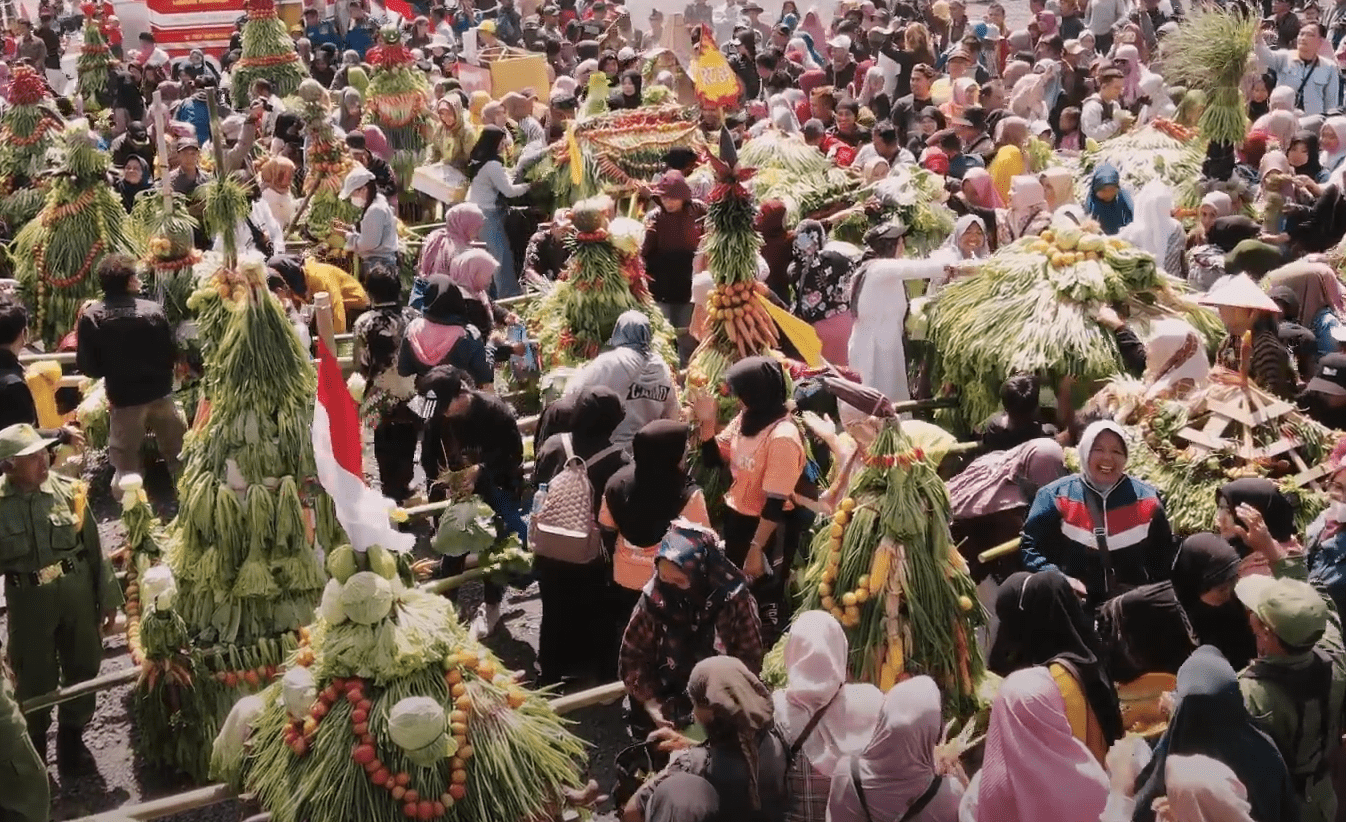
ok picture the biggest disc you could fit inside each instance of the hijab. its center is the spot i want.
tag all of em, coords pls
(1042, 621)
(1174, 354)
(815, 662)
(1266, 497)
(1221, 202)
(1028, 199)
(682, 797)
(486, 149)
(443, 300)
(759, 383)
(462, 222)
(1315, 286)
(1330, 160)
(1312, 166)
(1087, 440)
(1115, 215)
(960, 228)
(434, 334)
(1002, 480)
(645, 496)
(598, 412)
(129, 190)
(714, 579)
(1281, 98)
(1203, 562)
(1034, 769)
(1211, 719)
(1059, 182)
(348, 118)
(1201, 789)
(740, 706)
(1127, 58)
(808, 242)
(1154, 225)
(984, 194)
(897, 767)
(1229, 231)
(1280, 125)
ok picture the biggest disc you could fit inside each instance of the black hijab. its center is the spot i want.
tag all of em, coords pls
(1206, 561)
(1228, 232)
(1313, 166)
(647, 495)
(1042, 621)
(759, 383)
(620, 99)
(598, 412)
(1210, 719)
(444, 303)
(1263, 495)
(291, 269)
(486, 149)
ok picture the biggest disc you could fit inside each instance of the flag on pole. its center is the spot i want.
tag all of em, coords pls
(361, 510)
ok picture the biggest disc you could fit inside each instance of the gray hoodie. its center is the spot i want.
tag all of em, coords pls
(635, 372)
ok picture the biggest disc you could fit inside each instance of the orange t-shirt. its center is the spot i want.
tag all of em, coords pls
(633, 565)
(768, 464)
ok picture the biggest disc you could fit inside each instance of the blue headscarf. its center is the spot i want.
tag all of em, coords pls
(1117, 214)
(632, 331)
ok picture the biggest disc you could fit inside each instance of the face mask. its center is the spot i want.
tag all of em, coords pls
(359, 200)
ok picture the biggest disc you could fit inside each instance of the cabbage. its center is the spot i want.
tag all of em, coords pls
(381, 561)
(367, 598)
(298, 690)
(416, 725)
(331, 608)
(157, 587)
(341, 563)
(464, 528)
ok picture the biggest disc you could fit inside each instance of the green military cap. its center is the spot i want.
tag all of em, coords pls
(20, 440)
(1294, 611)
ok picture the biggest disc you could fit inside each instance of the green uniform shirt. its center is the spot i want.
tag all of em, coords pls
(1278, 714)
(24, 792)
(40, 528)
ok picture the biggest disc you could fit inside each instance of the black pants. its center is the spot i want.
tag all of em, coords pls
(1103, 42)
(772, 592)
(576, 627)
(395, 452)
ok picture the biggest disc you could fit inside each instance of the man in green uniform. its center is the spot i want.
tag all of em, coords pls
(60, 591)
(25, 794)
(1296, 687)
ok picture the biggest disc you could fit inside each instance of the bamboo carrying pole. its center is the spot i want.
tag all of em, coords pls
(215, 794)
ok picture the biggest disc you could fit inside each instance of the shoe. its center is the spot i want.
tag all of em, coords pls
(483, 624)
(72, 756)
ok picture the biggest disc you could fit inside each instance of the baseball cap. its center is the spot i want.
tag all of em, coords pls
(20, 440)
(187, 142)
(841, 41)
(1331, 376)
(1293, 610)
(358, 178)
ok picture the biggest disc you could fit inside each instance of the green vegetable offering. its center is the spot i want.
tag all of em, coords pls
(402, 717)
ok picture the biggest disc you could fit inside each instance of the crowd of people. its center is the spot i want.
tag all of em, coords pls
(691, 591)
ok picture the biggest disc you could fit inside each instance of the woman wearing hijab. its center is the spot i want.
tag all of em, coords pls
(1043, 623)
(573, 594)
(1127, 60)
(968, 241)
(1277, 512)
(1154, 229)
(1209, 718)
(1326, 536)
(1318, 292)
(1028, 213)
(1059, 185)
(1245, 308)
(627, 93)
(1304, 156)
(442, 336)
(822, 283)
(1155, 628)
(1059, 533)
(965, 93)
(979, 197)
(895, 777)
(135, 178)
(742, 757)
(695, 597)
(641, 501)
(1213, 206)
(472, 271)
(474, 434)
(453, 136)
(822, 719)
(462, 223)
(1010, 158)
(1175, 360)
(1109, 203)
(1207, 264)
(764, 451)
(351, 110)
(1201, 789)
(1332, 140)
(490, 184)
(635, 372)
(1034, 769)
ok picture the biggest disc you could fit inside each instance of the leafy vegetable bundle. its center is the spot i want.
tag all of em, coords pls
(81, 221)
(1211, 51)
(1030, 310)
(887, 569)
(390, 712)
(326, 163)
(268, 54)
(28, 128)
(1143, 155)
(398, 102)
(94, 59)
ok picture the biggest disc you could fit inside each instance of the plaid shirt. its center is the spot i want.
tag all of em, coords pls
(656, 662)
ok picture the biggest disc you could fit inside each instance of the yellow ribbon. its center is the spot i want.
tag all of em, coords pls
(800, 333)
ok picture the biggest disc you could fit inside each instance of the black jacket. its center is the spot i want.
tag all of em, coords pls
(487, 434)
(16, 400)
(129, 343)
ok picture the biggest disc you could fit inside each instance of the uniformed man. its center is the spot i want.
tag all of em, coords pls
(60, 591)
(25, 794)
(1295, 688)
(320, 32)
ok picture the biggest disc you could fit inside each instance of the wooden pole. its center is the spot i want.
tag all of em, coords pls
(322, 312)
(88, 686)
(161, 137)
(217, 147)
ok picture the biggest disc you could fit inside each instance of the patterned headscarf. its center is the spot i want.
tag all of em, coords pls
(714, 579)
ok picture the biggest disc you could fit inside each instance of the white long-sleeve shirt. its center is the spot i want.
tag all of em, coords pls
(492, 183)
(1104, 14)
(880, 304)
(1092, 122)
(1322, 91)
(376, 236)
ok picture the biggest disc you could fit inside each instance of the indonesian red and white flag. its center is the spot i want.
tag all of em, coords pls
(337, 453)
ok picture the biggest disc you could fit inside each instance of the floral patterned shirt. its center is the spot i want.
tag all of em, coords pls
(378, 336)
(823, 288)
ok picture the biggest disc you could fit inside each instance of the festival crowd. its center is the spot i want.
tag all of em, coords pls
(691, 590)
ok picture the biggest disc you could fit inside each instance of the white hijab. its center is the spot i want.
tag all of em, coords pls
(1201, 789)
(1154, 225)
(815, 661)
(1169, 338)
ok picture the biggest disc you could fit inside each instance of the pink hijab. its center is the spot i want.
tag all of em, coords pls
(1034, 769)
(813, 25)
(461, 226)
(1201, 789)
(1047, 24)
(472, 270)
(377, 143)
(1129, 59)
(984, 194)
(898, 764)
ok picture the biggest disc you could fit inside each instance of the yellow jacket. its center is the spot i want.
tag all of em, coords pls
(337, 283)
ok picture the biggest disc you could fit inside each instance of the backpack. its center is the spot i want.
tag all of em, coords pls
(562, 525)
